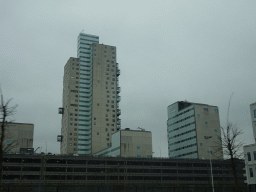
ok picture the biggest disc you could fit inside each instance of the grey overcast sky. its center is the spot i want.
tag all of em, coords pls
(196, 50)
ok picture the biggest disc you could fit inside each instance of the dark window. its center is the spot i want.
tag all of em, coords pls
(112, 106)
(251, 172)
(249, 156)
(205, 109)
(254, 154)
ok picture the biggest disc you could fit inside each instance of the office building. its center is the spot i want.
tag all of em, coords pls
(129, 143)
(193, 131)
(17, 136)
(250, 154)
(90, 112)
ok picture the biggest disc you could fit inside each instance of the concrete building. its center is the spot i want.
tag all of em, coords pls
(250, 166)
(250, 154)
(18, 135)
(90, 113)
(253, 117)
(193, 130)
(129, 143)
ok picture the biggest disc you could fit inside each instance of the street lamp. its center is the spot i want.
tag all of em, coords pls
(208, 137)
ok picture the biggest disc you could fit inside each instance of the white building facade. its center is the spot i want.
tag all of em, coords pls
(193, 131)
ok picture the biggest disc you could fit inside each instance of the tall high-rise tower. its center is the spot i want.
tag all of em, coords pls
(90, 98)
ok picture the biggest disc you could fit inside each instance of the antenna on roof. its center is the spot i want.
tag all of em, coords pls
(82, 31)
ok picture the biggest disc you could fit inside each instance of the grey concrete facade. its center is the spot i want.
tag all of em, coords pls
(129, 143)
(18, 135)
(193, 131)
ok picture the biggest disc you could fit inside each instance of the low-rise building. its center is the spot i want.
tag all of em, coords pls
(250, 166)
(17, 136)
(129, 143)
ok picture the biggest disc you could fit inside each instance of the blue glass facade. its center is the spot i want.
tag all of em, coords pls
(84, 52)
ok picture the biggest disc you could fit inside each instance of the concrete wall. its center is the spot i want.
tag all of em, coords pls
(208, 124)
(136, 143)
(18, 135)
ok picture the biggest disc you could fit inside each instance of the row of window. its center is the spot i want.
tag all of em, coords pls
(249, 156)
(185, 154)
(187, 139)
(187, 146)
(106, 124)
(181, 120)
(181, 113)
(182, 127)
(182, 133)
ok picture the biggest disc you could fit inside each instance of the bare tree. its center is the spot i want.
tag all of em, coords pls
(6, 113)
(231, 145)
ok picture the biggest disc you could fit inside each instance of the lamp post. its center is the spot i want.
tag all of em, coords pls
(208, 137)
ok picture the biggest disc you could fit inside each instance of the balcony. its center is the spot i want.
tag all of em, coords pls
(118, 89)
(118, 122)
(118, 72)
(118, 112)
(118, 98)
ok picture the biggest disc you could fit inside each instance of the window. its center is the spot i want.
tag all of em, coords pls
(107, 110)
(106, 82)
(107, 124)
(76, 95)
(94, 123)
(215, 130)
(112, 106)
(201, 144)
(107, 101)
(70, 133)
(249, 156)
(107, 60)
(70, 123)
(106, 115)
(106, 129)
(254, 113)
(94, 118)
(112, 101)
(216, 110)
(106, 105)
(107, 144)
(75, 124)
(112, 129)
(107, 78)
(77, 77)
(71, 119)
(75, 139)
(113, 115)
(149, 156)
(113, 96)
(106, 119)
(113, 120)
(75, 114)
(206, 123)
(206, 109)
(75, 134)
(75, 119)
(138, 156)
(218, 138)
(98, 133)
(138, 147)
(75, 144)
(98, 104)
(251, 172)
(107, 69)
(74, 149)
(112, 87)
(112, 125)
(75, 129)
(107, 91)
(9, 142)
(113, 110)
(254, 154)
(209, 151)
(113, 92)
(106, 87)
(107, 96)
(107, 134)
(198, 115)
